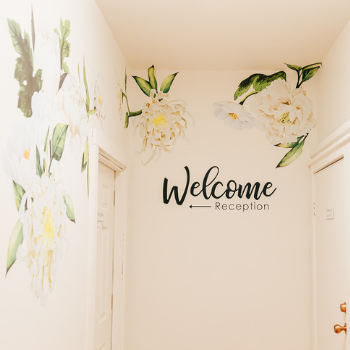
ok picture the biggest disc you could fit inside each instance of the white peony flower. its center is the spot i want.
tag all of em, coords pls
(71, 110)
(233, 114)
(47, 56)
(283, 113)
(161, 123)
(20, 155)
(44, 233)
(99, 98)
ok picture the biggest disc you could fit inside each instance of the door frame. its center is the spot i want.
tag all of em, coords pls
(334, 148)
(103, 150)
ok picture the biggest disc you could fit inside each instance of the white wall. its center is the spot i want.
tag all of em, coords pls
(333, 86)
(206, 279)
(61, 324)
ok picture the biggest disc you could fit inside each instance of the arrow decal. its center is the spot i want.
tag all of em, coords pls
(200, 206)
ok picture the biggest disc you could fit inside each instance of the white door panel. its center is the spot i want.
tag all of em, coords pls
(332, 255)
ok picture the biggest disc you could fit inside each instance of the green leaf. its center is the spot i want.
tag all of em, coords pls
(292, 155)
(46, 144)
(28, 82)
(39, 170)
(152, 78)
(65, 67)
(58, 140)
(126, 80)
(63, 76)
(19, 192)
(248, 95)
(16, 240)
(86, 88)
(126, 122)
(64, 44)
(294, 67)
(312, 65)
(289, 145)
(259, 82)
(309, 73)
(85, 157)
(69, 207)
(166, 84)
(135, 114)
(143, 85)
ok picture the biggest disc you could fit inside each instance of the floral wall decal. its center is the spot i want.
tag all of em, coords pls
(283, 113)
(161, 121)
(56, 108)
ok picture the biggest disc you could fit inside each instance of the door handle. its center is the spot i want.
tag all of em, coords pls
(338, 328)
(343, 307)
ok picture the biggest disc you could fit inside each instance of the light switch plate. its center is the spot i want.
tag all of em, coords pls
(330, 213)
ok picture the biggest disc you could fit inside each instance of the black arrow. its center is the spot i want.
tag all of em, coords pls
(200, 206)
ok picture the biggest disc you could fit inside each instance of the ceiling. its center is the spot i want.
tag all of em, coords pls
(224, 34)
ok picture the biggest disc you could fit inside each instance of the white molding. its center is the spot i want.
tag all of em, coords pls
(109, 150)
(102, 150)
(336, 139)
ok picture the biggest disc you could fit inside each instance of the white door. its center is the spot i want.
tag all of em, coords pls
(332, 255)
(104, 261)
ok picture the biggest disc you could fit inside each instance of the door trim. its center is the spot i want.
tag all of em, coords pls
(102, 150)
(336, 147)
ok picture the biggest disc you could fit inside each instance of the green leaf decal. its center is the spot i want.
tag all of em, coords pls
(58, 140)
(152, 78)
(69, 208)
(259, 82)
(63, 76)
(248, 95)
(46, 144)
(312, 65)
(19, 192)
(289, 145)
(16, 240)
(126, 122)
(309, 73)
(85, 157)
(129, 115)
(143, 85)
(292, 155)
(28, 82)
(86, 88)
(294, 67)
(64, 44)
(126, 80)
(39, 170)
(166, 84)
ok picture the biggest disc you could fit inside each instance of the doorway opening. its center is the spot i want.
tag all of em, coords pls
(107, 230)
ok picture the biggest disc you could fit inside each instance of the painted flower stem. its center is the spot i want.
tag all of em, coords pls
(299, 82)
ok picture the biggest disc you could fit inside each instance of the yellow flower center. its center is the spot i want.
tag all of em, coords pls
(26, 154)
(160, 121)
(285, 118)
(99, 100)
(233, 116)
(48, 224)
